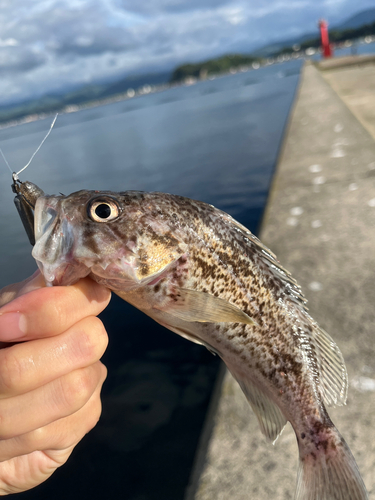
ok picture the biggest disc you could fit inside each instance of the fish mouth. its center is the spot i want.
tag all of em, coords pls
(63, 274)
(54, 244)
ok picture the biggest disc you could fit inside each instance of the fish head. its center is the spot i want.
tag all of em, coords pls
(119, 239)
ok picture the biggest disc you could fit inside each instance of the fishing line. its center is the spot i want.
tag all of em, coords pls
(15, 177)
(6, 161)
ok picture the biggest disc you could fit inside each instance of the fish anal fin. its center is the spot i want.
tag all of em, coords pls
(193, 305)
(269, 415)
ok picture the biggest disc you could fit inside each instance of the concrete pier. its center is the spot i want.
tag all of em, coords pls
(320, 222)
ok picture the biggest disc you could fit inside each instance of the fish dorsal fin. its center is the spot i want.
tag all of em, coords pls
(192, 305)
(332, 370)
(269, 416)
(273, 265)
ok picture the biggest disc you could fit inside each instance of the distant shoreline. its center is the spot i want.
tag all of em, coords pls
(133, 93)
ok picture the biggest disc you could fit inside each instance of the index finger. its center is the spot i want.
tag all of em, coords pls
(46, 312)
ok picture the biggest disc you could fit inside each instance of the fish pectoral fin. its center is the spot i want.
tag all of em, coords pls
(270, 418)
(192, 305)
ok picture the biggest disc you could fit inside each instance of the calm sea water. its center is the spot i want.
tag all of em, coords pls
(216, 141)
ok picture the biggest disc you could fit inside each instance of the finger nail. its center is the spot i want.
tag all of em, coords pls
(12, 326)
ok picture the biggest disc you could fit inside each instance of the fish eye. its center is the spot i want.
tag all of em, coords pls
(103, 210)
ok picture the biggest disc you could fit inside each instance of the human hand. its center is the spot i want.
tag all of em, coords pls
(50, 376)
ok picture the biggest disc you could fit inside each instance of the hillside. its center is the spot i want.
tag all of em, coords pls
(84, 95)
(337, 36)
(358, 20)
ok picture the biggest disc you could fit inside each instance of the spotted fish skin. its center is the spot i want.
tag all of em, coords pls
(200, 273)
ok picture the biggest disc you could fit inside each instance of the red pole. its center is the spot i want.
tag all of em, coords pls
(327, 51)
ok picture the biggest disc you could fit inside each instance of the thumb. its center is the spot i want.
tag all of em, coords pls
(10, 292)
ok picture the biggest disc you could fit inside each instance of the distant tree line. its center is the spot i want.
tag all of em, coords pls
(214, 66)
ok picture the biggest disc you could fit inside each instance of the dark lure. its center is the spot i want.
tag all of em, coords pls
(26, 195)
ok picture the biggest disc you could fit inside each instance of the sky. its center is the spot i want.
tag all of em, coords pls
(49, 45)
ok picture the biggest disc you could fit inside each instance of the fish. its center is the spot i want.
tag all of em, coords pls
(201, 274)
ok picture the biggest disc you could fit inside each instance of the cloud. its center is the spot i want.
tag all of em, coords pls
(8, 42)
(47, 45)
(154, 7)
(14, 59)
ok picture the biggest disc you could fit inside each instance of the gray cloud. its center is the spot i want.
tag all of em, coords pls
(14, 59)
(152, 7)
(93, 43)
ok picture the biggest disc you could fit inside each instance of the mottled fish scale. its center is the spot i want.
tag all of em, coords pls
(245, 280)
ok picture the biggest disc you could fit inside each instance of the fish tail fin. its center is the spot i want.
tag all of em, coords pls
(329, 472)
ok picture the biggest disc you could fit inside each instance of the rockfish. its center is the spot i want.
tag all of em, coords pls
(198, 272)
